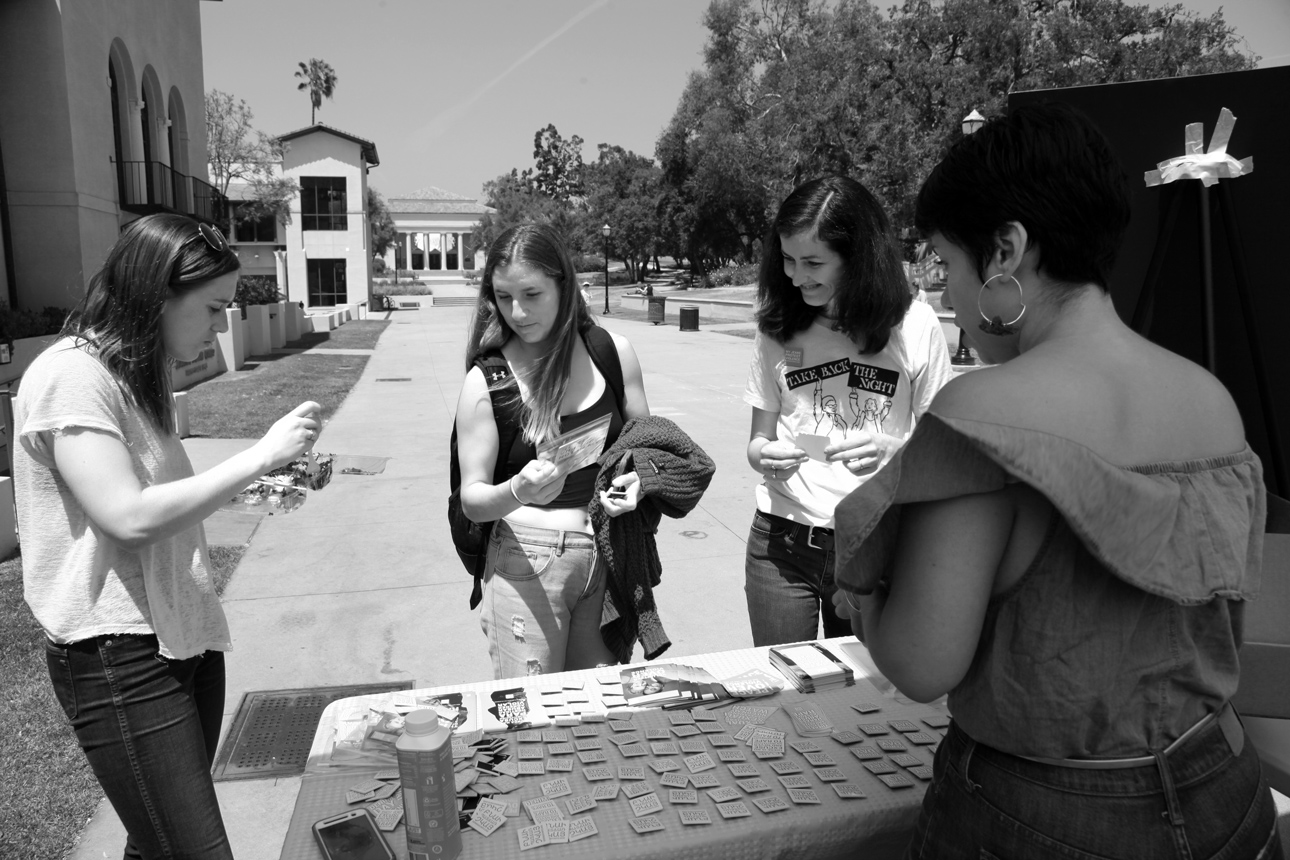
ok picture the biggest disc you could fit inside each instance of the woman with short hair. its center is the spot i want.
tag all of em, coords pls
(1066, 543)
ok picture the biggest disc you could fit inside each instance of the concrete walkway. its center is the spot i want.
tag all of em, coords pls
(361, 585)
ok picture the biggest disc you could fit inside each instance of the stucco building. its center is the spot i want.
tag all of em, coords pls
(435, 228)
(101, 121)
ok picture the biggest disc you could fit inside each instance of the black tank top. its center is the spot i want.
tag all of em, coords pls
(579, 486)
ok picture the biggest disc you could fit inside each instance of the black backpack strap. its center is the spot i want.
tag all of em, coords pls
(600, 345)
(495, 370)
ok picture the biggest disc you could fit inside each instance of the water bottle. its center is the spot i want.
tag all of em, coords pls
(429, 788)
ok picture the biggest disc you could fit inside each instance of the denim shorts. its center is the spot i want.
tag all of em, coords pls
(984, 804)
(544, 590)
(788, 583)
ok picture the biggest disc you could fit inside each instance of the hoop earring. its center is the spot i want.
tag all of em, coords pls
(996, 326)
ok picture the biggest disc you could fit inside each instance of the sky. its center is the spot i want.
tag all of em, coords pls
(452, 93)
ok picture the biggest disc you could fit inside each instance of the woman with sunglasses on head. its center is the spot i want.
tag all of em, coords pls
(115, 567)
(1066, 543)
(544, 583)
(844, 363)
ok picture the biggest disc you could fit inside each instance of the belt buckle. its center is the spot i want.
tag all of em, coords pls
(824, 536)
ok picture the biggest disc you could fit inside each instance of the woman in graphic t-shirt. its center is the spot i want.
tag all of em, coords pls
(843, 365)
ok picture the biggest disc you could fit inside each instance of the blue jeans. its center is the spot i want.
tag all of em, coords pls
(789, 583)
(544, 591)
(149, 727)
(984, 804)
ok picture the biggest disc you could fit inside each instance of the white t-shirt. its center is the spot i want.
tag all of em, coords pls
(77, 581)
(820, 384)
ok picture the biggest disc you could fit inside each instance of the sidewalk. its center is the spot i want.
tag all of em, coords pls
(362, 584)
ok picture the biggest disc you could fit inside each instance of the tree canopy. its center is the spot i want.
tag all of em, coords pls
(237, 152)
(794, 89)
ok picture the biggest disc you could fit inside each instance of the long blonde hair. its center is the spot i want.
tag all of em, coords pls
(538, 246)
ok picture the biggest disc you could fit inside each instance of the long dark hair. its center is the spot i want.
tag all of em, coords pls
(873, 294)
(120, 316)
(538, 246)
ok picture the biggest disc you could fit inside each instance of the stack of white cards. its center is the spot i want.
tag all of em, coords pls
(811, 667)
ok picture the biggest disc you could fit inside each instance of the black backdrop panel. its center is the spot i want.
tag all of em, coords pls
(1145, 121)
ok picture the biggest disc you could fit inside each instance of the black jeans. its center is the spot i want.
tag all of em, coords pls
(149, 727)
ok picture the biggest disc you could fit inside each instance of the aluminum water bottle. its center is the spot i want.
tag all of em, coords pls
(429, 788)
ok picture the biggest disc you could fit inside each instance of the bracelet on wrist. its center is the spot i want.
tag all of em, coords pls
(511, 484)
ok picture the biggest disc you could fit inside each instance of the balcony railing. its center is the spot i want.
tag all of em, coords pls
(150, 186)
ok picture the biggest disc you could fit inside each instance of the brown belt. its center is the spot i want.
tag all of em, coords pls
(1226, 718)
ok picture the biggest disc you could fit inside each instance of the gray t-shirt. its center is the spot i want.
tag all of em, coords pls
(77, 581)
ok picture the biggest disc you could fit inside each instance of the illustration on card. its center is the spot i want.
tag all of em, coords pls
(870, 392)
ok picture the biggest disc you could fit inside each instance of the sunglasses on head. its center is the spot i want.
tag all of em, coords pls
(213, 237)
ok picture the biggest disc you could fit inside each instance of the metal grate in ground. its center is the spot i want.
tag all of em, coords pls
(272, 730)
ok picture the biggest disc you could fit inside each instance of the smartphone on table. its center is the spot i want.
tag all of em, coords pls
(351, 835)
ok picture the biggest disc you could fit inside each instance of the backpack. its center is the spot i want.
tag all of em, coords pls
(471, 538)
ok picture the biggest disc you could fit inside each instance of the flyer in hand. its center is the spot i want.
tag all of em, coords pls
(578, 448)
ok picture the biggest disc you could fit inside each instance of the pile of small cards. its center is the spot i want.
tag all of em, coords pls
(483, 767)
(549, 826)
(383, 796)
(565, 702)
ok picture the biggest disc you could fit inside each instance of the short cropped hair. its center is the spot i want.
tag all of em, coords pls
(1045, 166)
(874, 293)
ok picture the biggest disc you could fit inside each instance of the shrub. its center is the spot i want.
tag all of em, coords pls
(588, 263)
(616, 279)
(17, 324)
(402, 288)
(378, 266)
(257, 290)
(728, 276)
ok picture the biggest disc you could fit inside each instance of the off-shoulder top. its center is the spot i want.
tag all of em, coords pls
(1124, 630)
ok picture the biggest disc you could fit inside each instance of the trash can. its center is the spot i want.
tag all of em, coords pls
(656, 306)
(689, 317)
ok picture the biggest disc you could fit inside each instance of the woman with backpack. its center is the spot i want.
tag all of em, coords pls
(543, 582)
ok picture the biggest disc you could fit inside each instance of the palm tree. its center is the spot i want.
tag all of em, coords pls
(320, 79)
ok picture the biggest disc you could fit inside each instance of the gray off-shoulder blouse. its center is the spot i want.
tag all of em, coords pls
(1125, 629)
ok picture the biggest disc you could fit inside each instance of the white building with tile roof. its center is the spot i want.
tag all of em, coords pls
(435, 228)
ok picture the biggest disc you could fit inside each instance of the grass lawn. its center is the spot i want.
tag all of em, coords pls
(244, 405)
(47, 790)
(358, 334)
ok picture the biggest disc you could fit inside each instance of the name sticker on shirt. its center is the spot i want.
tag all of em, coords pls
(793, 356)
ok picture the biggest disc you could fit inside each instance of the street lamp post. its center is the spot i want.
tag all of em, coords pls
(604, 231)
(971, 123)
